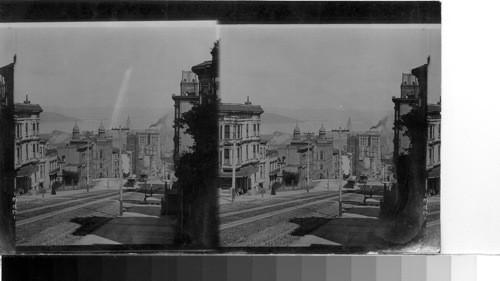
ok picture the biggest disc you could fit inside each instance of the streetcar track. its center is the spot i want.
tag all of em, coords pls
(223, 215)
(270, 214)
(61, 211)
(59, 204)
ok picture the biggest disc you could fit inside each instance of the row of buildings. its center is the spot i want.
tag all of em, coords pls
(88, 155)
(316, 156)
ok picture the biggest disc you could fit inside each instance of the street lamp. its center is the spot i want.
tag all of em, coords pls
(233, 164)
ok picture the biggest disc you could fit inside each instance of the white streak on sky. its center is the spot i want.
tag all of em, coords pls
(120, 99)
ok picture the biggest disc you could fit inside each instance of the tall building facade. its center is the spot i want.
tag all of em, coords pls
(196, 86)
(149, 150)
(239, 125)
(410, 89)
(368, 161)
(413, 94)
(133, 147)
(434, 147)
(188, 97)
(27, 151)
(102, 154)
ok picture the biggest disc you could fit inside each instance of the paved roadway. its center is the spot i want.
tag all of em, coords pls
(284, 220)
(66, 219)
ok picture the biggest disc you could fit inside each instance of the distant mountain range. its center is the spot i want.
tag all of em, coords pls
(272, 118)
(46, 116)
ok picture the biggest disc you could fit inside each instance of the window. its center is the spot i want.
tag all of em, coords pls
(247, 130)
(220, 158)
(321, 155)
(260, 170)
(34, 150)
(26, 127)
(226, 157)
(321, 166)
(439, 153)
(226, 132)
(254, 129)
(220, 132)
(254, 151)
(430, 155)
(439, 130)
(362, 141)
(34, 129)
(100, 153)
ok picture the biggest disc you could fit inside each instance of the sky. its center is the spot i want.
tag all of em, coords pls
(89, 65)
(325, 66)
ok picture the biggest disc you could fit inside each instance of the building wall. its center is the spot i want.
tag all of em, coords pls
(27, 150)
(434, 143)
(244, 128)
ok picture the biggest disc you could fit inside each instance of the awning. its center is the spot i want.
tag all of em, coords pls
(243, 172)
(27, 170)
(434, 173)
(274, 172)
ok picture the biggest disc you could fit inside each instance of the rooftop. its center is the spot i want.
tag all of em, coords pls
(27, 108)
(409, 79)
(207, 63)
(240, 108)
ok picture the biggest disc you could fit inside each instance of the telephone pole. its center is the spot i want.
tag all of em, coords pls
(340, 131)
(120, 182)
(233, 182)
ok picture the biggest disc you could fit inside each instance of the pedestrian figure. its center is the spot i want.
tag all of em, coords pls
(42, 190)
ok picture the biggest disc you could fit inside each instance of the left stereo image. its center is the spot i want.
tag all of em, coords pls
(90, 115)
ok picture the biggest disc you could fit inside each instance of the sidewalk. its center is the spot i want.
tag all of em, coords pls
(321, 186)
(359, 226)
(140, 224)
(99, 186)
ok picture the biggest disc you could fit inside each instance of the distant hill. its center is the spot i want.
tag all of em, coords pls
(273, 118)
(56, 117)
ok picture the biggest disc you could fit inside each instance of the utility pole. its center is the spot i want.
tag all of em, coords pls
(88, 164)
(308, 169)
(120, 182)
(233, 183)
(340, 131)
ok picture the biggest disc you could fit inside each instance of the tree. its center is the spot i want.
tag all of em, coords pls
(411, 169)
(197, 173)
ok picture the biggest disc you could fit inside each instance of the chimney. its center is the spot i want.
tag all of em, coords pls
(26, 101)
(248, 101)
